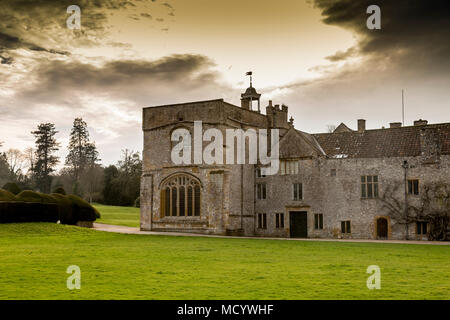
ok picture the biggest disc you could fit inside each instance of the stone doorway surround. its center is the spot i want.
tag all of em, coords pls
(375, 227)
(304, 208)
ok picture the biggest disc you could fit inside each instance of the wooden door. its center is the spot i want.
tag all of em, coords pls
(298, 224)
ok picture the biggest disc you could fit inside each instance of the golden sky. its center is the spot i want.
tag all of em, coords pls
(282, 39)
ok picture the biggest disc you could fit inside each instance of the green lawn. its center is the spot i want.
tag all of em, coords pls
(121, 216)
(34, 258)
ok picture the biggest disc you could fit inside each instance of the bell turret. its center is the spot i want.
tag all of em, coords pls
(250, 95)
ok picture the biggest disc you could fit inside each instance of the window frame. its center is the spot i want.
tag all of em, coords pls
(262, 221)
(346, 227)
(289, 167)
(171, 190)
(413, 187)
(279, 220)
(318, 221)
(422, 228)
(297, 196)
(261, 191)
(369, 187)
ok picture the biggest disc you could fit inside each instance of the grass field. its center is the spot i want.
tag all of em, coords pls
(34, 258)
(121, 216)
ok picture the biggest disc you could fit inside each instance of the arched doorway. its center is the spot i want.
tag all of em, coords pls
(382, 228)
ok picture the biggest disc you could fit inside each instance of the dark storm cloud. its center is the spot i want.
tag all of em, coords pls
(58, 80)
(39, 25)
(167, 5)
(146, 15)
(415, 31)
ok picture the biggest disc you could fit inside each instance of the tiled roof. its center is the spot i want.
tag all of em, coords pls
(299, 144)
(342, 128)
(391, 142)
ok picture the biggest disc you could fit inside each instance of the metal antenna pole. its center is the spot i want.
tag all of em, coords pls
(403, 110)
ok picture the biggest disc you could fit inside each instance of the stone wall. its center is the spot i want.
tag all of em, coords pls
(338, 197)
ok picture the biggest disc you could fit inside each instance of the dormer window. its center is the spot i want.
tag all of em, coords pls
(288, 167)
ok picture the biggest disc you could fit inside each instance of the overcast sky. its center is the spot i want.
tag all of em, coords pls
(318, 57)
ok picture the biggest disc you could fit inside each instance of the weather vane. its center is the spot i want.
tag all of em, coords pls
(250, 73)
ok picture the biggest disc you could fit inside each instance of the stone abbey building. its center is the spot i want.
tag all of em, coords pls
(329, 185)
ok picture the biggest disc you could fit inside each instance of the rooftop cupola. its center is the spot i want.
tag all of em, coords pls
(250, 95)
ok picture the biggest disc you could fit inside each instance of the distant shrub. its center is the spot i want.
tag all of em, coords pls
(5, 195)
(60, 190)
(12, 187)
(137, 202)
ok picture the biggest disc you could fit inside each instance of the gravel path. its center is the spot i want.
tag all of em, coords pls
(131, 230)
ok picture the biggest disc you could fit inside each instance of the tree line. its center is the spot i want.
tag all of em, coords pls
(35, 168)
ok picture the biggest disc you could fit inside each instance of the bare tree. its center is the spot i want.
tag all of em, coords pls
(92, 180)
(331, 128)
(432, 207)
(30, 159)
(16, 163)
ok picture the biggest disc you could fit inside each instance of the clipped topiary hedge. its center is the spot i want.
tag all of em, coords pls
(97, 214)
(32, 196)
(6, 196)
(27, 206)
(12, 187)
(30, 206)
(60, 190)
(81, 209)
(65, 209)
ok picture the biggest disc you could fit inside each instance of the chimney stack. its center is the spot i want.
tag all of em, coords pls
(420, 122)
(361, 125)
(395, 125)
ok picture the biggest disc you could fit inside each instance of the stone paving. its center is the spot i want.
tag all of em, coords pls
(132, 230)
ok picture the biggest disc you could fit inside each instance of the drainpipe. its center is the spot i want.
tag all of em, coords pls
(405, 167)
(254, 201)
(242, 197)
(242, 191)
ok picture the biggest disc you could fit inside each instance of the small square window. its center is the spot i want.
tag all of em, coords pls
(297, 189)
(279, 220)
(261, 192)
(422, 227)
(262, 221)
(345, 226)
(413, 187)
(333, 172)
(318, 221)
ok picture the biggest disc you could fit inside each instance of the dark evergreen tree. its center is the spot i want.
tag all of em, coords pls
(111, 194)
(82, 152)
(46, 146)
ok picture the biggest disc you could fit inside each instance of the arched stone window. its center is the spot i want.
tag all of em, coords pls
(180, 196)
